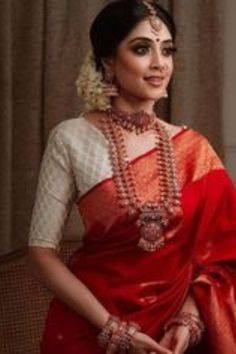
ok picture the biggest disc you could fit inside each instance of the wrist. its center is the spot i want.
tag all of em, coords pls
(117, 334)
(192, 322)
(190, 306)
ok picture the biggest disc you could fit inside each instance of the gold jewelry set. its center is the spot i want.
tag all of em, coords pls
(154, 216)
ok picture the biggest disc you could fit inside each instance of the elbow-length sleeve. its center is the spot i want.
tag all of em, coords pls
(214, 281)
(55, 193)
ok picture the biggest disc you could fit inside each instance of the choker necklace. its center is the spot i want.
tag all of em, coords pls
(137, 121)
(152, 217)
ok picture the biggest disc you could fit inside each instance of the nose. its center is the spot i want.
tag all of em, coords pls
(157, 60)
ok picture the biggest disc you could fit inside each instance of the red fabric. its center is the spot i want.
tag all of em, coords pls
(149, 288)
(214, 282)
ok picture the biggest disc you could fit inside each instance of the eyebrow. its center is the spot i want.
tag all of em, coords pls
(146, 39)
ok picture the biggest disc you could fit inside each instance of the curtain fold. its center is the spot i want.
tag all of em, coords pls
(42, 45)
(198, 83)
(5, 122)
(20, 118)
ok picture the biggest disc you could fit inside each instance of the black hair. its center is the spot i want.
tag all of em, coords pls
(116, 21)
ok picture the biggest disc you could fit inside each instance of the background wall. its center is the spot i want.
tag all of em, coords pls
(229, 74)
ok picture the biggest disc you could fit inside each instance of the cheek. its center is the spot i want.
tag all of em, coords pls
(130, 68)
(171, 66)
(170, 70)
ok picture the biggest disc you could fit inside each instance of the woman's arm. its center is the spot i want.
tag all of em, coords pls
(190, 306)
(54, 274)
(56, 191)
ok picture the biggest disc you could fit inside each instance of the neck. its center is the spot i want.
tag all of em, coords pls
(132, 106)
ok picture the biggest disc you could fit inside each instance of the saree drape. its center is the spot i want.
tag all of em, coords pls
(149, 288)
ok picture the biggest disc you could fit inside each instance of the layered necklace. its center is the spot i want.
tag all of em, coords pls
(152, 217)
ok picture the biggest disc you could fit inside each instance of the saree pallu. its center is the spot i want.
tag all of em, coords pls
(149, 288)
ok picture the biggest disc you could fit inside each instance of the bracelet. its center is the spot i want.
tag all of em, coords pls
(192, 322)
(116, 338)
(117, 334)
(126, 339)
(110, 326)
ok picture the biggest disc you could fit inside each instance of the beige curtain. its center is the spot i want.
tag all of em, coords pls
(42, 44)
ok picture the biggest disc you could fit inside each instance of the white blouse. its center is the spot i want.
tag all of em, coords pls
(76, 159)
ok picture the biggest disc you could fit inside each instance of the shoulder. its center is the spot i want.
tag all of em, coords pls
(173, 129)
(76, 126)
(194, 141)
(66, 127)
(71, 131)
(192, 136)
(76, 135)
(195, 152)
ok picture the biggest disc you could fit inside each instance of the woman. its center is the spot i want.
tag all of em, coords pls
(156, 273)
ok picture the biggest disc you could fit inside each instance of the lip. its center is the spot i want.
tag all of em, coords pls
(155, 80)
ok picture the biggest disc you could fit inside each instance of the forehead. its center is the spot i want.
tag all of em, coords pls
(144, 29)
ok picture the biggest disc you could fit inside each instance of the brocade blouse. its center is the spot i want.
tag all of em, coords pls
(76, 158)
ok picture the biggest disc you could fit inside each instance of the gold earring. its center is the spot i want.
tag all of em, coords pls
(109, 88)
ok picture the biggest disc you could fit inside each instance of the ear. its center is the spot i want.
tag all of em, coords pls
(108, 64)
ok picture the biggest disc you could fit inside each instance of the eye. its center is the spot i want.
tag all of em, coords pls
(141, 49)
(168, 51)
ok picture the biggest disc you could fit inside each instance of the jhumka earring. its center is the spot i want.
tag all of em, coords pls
(109, 88)
(156, 24)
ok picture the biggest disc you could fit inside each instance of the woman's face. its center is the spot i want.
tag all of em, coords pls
(143, 63)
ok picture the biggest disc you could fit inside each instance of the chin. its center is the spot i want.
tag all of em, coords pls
(147, 94)
(155, 96)
(156, 93)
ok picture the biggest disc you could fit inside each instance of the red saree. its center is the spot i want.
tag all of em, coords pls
(149, 288)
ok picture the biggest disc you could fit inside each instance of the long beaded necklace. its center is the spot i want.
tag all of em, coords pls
(152, 216)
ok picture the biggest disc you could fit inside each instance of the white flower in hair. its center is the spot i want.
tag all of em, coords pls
(90, 85)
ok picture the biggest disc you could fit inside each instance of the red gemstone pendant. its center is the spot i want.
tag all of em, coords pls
(151, 236)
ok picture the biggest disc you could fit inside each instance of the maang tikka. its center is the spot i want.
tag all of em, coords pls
(156, 24)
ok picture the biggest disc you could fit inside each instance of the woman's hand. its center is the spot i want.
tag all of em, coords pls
(176, 339)
(143, 344)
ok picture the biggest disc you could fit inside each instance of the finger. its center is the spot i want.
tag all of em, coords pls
(149, 345)
(111, 348)
(138, 351)
(159, 349)
(110, 91)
